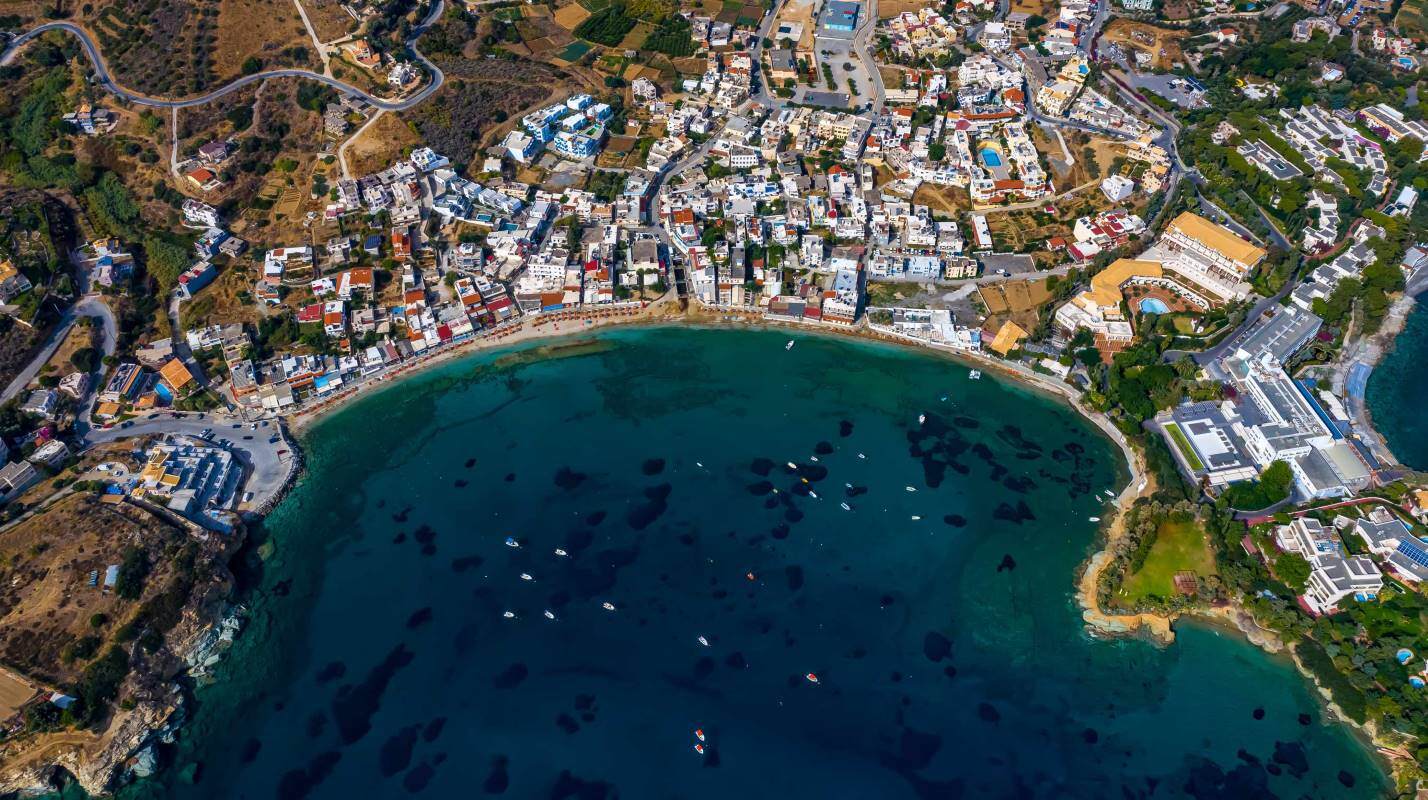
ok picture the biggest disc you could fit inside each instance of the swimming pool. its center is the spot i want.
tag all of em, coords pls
(1153, 305)
(991, 157)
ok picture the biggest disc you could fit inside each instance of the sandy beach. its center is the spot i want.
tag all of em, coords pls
(1099, 623)
(543, 328)
(667, 313)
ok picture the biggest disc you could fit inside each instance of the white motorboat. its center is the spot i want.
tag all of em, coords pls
(509, 615)
(526, 576)
(608, 606)
(704, 641)
(788, 346)
(549, 614)
(560, 552)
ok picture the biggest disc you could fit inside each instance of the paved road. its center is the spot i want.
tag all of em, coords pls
(1229, 343)
(181, 348)
(1275, 235)
(268, 462)
(870, 65)
(88, 306)
(761, 94)
(1223, 217)
(106, 80)
(316, 42)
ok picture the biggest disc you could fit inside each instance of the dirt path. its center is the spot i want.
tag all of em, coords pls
(316, 42)
(342, 148)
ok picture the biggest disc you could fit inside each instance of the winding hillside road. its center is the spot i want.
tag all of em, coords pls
(106, 80)
(88, 306)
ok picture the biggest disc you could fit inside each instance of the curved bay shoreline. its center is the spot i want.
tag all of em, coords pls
(1156, 628)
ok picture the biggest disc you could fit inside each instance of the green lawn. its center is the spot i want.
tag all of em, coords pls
(1179, 545)
(1183, 445)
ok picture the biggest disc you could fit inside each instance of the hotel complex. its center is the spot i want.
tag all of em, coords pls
(1204, 264)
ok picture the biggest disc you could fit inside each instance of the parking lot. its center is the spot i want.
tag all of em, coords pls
(1183, 92)
(260, 448)
(838, 54)
(1007, 264)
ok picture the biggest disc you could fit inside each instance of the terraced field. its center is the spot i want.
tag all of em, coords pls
(1412, 19)
(205, 43)
(126, 31)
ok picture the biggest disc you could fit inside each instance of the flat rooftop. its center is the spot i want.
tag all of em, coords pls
(1282, 335)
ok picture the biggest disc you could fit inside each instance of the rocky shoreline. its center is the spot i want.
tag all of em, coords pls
(125, 749)
(1374, 349)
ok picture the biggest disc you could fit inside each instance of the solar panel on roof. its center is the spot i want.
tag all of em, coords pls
(1414, 552)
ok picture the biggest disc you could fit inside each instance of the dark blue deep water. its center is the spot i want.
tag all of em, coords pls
(949, 651)
(1396, 390)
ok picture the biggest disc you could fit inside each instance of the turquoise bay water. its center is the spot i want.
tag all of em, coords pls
(1396, 390)
(950, 656)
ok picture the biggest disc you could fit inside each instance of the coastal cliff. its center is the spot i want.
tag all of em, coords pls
(177, 626)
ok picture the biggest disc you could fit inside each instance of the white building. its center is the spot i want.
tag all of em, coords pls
(1117, 188)
(1333, 575)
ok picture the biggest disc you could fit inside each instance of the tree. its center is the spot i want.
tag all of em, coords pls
(100, 683)
(1293, 570)
(85, 359)
(132, 571)
(1273, 486)
(110, 207)
(166, 260)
